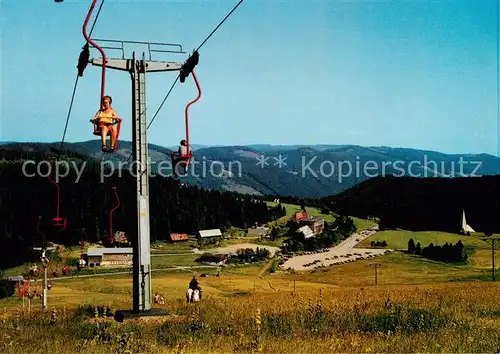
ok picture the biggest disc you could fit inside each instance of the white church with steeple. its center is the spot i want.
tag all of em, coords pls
(465, 228)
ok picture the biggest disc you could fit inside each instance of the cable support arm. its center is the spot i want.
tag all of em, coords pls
(188, 153)
(103, 75)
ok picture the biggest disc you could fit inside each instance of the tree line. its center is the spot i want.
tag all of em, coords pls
(444, 253)
(86, 204)
(420, 204)
(249, 255)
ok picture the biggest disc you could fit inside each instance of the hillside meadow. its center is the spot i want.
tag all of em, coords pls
(417, 306)
(291, 209)
(477, 247)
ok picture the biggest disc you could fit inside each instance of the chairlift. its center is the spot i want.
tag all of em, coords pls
(58, 222)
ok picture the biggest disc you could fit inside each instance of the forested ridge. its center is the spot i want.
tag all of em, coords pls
(418, 204)
(86, 203)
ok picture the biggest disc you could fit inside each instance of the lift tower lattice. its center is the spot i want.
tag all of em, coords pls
(142, 292)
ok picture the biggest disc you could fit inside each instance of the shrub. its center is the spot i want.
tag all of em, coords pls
(7, 289)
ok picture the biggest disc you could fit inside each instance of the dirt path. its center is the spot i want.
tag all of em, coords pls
(342, 253)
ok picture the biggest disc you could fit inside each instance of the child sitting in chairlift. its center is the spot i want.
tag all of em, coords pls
(180, 158)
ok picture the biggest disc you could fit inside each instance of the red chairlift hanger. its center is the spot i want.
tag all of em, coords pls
(117, 121)
(189, 154)
(58, 222)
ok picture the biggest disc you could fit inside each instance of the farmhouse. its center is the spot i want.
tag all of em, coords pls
(214, 259)
(307, 224)
(317, 224)
(102, 256)
(209, 233)
(306, 231)
(16, 279)
(300, 217)
(179, 237)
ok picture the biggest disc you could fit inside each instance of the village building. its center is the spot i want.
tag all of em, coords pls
(16, 279)
(307, 224)
(213, 259)
(209, 233)
(317, 224)
(179, 237)
(300, 217)
(102, 256)
(306, 231)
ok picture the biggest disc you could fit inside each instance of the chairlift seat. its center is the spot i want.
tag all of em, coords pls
(117, 121)
(59, 222)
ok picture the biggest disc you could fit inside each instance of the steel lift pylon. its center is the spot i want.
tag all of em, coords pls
(142, 292)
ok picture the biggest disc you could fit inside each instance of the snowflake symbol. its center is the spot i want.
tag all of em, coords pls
(262, 161)
(280, 161)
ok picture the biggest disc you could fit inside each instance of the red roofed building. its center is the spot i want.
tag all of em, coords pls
(179, 237)
(300, 216)
(316, 224)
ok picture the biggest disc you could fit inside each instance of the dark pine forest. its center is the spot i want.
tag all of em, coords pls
(86, 205)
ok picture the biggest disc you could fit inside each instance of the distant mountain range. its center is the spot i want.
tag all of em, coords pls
(295, 170)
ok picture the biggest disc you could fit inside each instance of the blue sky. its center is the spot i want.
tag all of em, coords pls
(418, 74)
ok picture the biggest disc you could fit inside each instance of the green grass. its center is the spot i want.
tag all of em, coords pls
(276, 243)
(240, 314)
(478, 250)
(179, 247)
(234, 232)
(291, 209)
(398, 239)
(248, 239)
(157, 261)
(395, 269)
(16, 270)
(174, 260)
(363, 224)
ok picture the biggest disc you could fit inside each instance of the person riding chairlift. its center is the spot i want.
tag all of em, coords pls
(179, 158)
(106, 117)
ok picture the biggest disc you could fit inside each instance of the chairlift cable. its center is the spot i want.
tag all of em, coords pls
(164, 99)
(216, 28)
(96, 17)
(69, 113)
(177, 78)
(76, 82)
(206, 39)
